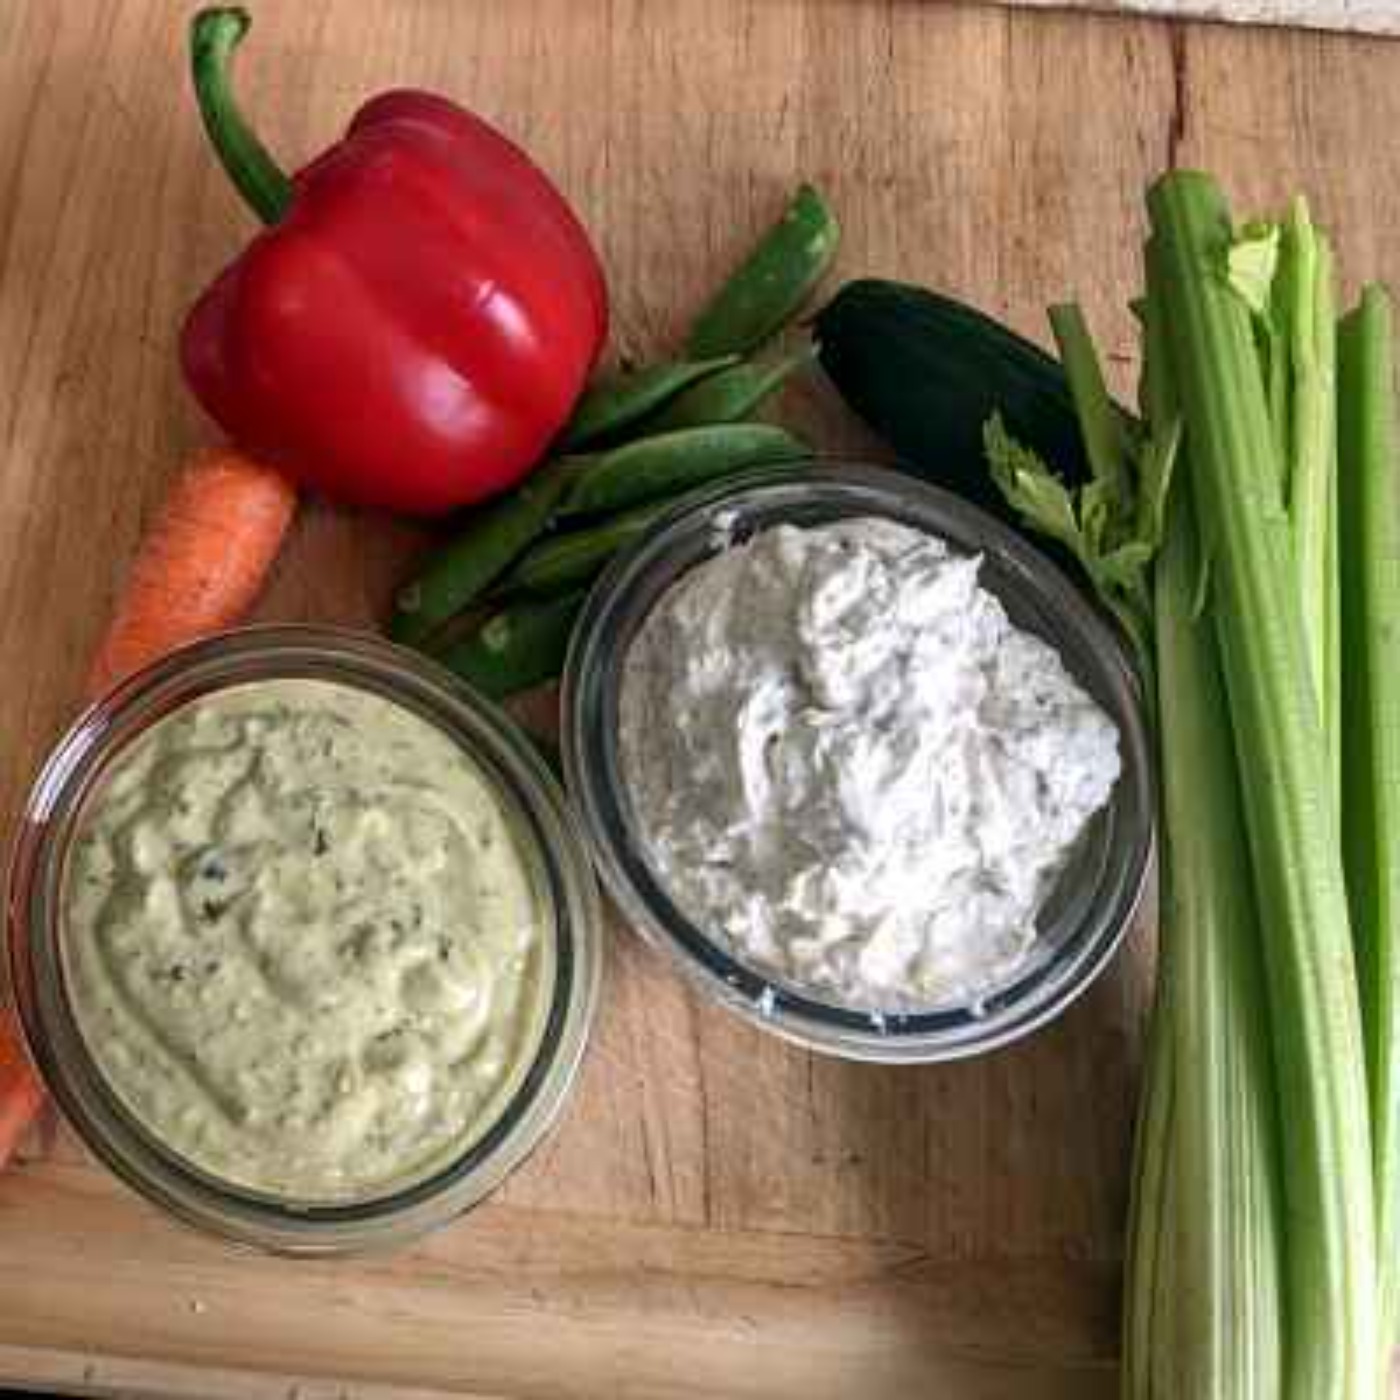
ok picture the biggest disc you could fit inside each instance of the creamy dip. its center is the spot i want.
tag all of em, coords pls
(845, 763)
(304, 943)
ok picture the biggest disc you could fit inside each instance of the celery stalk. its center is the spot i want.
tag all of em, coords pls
(1147, 1266)
(1203, 1296)
(1370, 551)
(1291, 819)
(1227, 1343)
(1250, 1270)
(1101, 424)
(1203, 1299)
(1324, 562)
(1304, 316)
(1112, 524)
(1164, 1362)
(1093, 524)
(1202, 1303)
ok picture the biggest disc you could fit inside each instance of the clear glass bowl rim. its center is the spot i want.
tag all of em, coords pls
(830, 488)
(33, 939)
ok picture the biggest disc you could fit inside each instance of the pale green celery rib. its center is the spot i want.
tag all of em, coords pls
(1110, 448)
(1202, 1295)
(1100, 423)
(1227, 1342)
(1370, 552)
(1291, 820)
(1278, 375)
(1167, 1298)
(1305, 340)
(1328, 562)
(1149, 1220)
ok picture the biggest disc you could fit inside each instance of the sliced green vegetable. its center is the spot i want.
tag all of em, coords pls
(518, 647)
(494, 537)
(1370, 590)
(731, 395)
(668, 464)
(612, 405)
(1283, 761)
(770, 286)
(572, 559)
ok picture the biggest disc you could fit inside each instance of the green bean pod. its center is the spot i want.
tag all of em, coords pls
(729, 395)
(614, 404)
(518, 647)
(772, 283)
(669, 464)
(493, 539)
(572, 559)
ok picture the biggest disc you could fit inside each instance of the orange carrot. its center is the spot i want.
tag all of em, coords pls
(202, 563)
(198, 570)
(21, 1094)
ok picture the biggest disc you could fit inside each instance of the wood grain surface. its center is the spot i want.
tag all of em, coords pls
(720, 1215)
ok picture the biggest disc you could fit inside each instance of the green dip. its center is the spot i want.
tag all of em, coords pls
(304, 942)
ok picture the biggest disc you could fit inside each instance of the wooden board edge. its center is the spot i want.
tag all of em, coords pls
(103, 1376)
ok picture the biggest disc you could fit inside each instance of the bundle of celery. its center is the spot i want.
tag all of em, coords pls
(1262, 589)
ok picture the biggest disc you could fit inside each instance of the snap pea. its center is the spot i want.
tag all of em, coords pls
(770, 284)
(518, 647)
(669, 464)
(729, 395)
(574, 558)
(611, 405)
(462, 570)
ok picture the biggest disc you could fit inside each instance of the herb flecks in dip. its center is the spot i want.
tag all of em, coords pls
(304, 944)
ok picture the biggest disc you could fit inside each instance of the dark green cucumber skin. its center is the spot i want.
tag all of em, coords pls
(926, 372)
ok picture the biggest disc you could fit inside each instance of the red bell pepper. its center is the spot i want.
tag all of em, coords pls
(416, 323)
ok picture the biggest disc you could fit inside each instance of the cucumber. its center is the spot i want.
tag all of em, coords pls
(926, 372)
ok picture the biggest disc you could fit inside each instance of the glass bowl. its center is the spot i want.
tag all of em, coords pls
(1095, 899)
(549, 839)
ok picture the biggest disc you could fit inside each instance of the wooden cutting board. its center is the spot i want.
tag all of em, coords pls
(1358, 16)
(720, 1215)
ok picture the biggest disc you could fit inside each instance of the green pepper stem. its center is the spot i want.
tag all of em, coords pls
(214, 35)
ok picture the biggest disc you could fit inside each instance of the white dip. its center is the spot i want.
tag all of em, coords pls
(847, 765)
